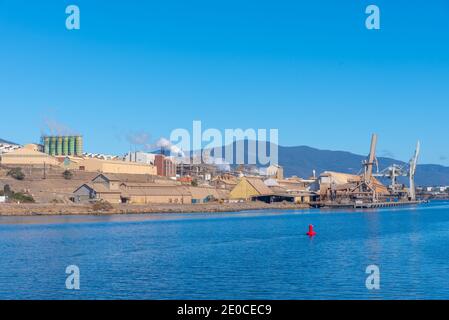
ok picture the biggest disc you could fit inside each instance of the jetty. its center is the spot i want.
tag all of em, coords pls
(369, 205)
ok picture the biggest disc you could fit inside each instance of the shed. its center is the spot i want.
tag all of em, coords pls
(248, 188)
(156, 194)
(89, 191)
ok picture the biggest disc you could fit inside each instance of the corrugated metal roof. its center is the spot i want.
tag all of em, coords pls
(259, 186)
(128, 177)
(202, 193)
(98, 188)
(157, 191)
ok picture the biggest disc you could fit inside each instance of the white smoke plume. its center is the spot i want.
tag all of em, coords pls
(56, 128)
(222, 164)
(141, 139)
(166, 144)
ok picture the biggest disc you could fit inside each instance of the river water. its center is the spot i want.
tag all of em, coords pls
(246, 255)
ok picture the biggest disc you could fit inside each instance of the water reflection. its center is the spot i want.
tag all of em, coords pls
(247, 255)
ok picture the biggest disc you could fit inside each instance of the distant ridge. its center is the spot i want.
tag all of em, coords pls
(8, 142)
(302, 160)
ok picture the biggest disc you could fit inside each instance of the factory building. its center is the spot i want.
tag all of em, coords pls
(147, 194)
(62, 145)
(28, 155)
(144, 189)
(290, 190)
(6, 146)
(107, 166)
(90, 191)
(166, 167)
(225, 181)
(336, 184)
(275, 171)
(133, 189)
(197, 171)
(140, 157)
(207, 194)
(248, 188)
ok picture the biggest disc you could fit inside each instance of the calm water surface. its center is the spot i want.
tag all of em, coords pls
(249, 255)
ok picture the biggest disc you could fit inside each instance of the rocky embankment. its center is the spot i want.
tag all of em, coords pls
(9, 209)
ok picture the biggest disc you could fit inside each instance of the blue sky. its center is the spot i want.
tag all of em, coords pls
(309, 68)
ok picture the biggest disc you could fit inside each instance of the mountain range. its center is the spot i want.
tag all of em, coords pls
(7, 142)
(302, 160)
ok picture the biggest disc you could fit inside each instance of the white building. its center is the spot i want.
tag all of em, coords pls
(140, 157)
(275, 171)
(271, 182)
(6, 147)
(441, 189)
(100, 156)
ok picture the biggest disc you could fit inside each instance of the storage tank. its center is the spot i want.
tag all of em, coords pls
(71, 145)
(52, 146)
(59, 146)
(79, 145)
(46, 143)
(65, 146)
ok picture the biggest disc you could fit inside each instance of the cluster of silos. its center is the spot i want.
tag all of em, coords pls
(63, 145)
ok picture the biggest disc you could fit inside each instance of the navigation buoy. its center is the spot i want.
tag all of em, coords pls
(311, 232)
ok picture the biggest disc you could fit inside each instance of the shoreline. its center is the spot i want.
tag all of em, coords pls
(8, 209)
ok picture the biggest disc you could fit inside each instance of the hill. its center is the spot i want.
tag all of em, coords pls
(302, 160)
(7, 142)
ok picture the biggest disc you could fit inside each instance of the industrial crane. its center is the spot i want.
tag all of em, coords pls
(394, 171)
(368, 164)
(364, 188)
(365, 191)
(412, 170)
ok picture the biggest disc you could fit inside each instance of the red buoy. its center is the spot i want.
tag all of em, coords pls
(311, 232)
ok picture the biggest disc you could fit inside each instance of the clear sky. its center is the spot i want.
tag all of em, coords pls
(309, 68)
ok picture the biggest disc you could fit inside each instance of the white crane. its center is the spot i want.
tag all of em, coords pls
(393, 172)
(412, 170)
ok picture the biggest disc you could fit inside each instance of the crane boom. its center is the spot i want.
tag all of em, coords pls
(412, 171)
(371, 159)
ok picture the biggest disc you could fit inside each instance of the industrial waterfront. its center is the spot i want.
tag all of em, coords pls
(56, 176)
(224, 159)
(244, 255)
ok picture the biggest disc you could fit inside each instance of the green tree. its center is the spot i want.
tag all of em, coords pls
(7, 190)
(16, 173)
(22, 197)
(67, 175)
